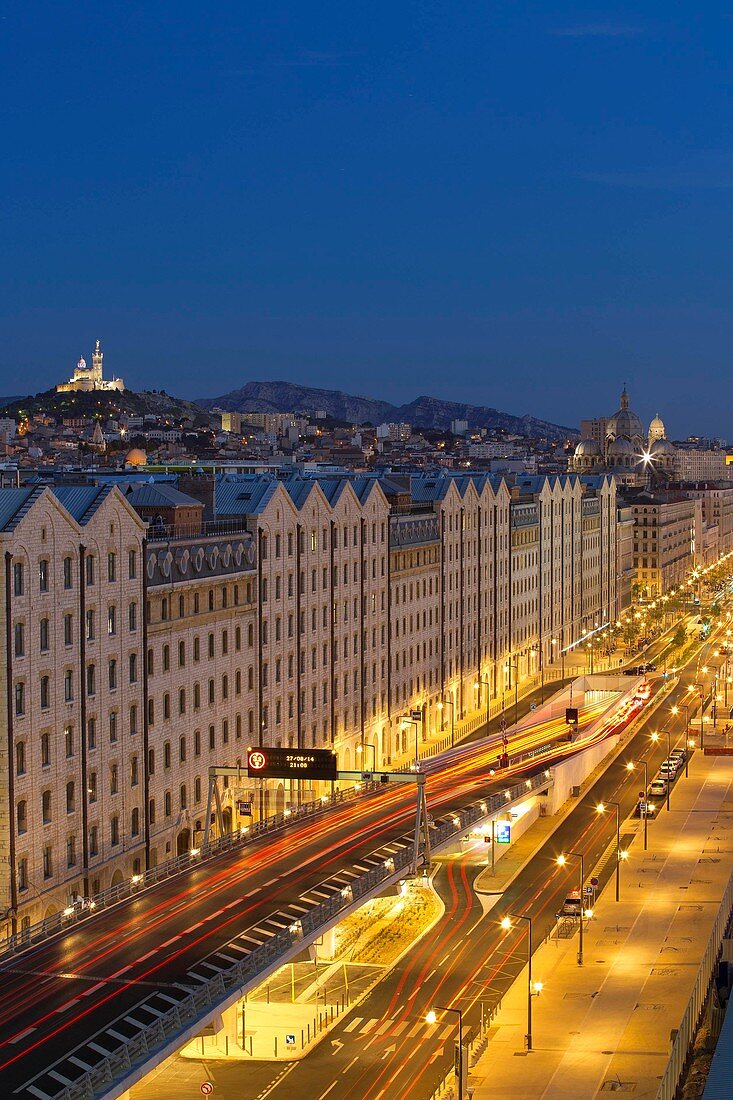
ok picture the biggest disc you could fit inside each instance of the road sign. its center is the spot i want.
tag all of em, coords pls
(594, 881)
(533, 706)
(416, 715)
(245, 808)
(571, 716)
(273, 763)
(206, 1088)
(290, 1040)
(503, 832)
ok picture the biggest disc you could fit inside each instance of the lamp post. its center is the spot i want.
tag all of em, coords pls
(452, 705)
(562, 860)
(532, 990)
(555, 643)
(631, 766)
(655, 739)
(368, 745)
(601, 809)
(509, 666)
(477, 688)
(404, 720)
(431, 1018)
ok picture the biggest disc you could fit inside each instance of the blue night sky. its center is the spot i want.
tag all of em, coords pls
(510, 203)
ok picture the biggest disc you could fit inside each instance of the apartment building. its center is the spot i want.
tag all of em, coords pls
(667, 539)
(356, 613)
(71, 763)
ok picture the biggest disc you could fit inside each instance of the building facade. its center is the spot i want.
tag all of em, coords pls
(359, 614)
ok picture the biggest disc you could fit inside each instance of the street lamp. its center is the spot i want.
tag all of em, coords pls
(554, 643)
(432, 1018)
(477, 688)
(631, 766)
(601, 809)
(655, 739)
(368, 745)
(509, 666)
(562, 860)
(404, 720)
(532, 990)
(452, 705)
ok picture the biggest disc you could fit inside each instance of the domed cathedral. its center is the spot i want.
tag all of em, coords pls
(619, 445)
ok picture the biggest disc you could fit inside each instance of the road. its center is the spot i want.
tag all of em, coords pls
(70, 1002)
(385, 1048)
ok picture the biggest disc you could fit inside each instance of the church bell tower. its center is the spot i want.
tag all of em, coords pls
(97, 362)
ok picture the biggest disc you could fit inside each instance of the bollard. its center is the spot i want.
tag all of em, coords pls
(276, 1046)
(302, 1044)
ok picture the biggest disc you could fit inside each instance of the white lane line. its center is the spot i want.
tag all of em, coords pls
(330, 1087)
(249, 895)
(22, 1035)
(142, 960)
(170, 941)
(272, 883)
(354, 1024)
(92, 989)
(69, 1004)
(355, 1060)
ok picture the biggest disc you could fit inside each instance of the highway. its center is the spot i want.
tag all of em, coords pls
(389, 1050)
(70, 1002)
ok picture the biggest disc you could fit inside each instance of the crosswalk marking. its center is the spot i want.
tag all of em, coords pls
(400, 1028)
(354, 1024)
(414, 1030)
(368, 1027)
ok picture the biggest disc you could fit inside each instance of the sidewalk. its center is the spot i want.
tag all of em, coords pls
(607, 1026)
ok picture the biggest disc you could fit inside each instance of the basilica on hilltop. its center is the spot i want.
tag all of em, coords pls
(87, 379)
(619, 445)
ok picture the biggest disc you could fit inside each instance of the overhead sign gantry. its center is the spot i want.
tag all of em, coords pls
(318, 764)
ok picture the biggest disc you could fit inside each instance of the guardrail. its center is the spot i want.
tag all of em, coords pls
(195, 1011)
(77, 914)
(690, 1021)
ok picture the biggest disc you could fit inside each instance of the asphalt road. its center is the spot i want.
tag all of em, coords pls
(71, 1001)
(384, 1047)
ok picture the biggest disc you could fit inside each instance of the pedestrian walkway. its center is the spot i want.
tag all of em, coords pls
(606, 1027)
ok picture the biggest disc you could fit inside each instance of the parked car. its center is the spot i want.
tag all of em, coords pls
(678, 754)
(657, 788)
(648, 667)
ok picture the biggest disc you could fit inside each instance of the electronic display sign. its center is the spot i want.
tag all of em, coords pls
(272, 763)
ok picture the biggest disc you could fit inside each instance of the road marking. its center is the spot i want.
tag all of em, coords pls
(399, 1029)
(147, 956)
(354, 1024)
(431, 974)
(444, 958)
(69, 1004)
(383, 1027)
(22, 1035)
(368, 1027)
(92, 989)
(414, 1030)
(330, 1087)
(353, 1062)
(270, 883)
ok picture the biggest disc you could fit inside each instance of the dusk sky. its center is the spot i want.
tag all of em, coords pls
(515, 204)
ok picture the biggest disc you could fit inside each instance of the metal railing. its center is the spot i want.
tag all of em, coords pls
(77, 914)
(167, 1032)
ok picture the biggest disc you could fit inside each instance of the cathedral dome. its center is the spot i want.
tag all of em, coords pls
(625, 422)
(662, 447)
(620, 447)
(588, 448)
(136, 457)
(657, 429)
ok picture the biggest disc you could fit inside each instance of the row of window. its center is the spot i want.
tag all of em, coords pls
(90, 682)
(90, 569)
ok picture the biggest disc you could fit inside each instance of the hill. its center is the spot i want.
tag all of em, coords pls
(105, 405)
(423, 412)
